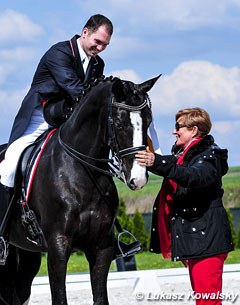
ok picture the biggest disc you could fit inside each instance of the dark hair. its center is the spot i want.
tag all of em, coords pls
(196, 117)
(95, 21)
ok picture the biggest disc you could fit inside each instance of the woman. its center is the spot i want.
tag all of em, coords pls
(190, 223)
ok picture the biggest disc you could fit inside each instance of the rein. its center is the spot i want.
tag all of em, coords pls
(80, 156)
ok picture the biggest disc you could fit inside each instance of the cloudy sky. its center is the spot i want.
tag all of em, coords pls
(195, 45)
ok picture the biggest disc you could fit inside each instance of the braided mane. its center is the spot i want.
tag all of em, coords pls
(93, 83)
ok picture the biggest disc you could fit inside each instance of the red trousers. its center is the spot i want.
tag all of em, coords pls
(206, 279)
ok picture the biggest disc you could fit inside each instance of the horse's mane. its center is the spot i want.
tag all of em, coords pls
(94, 82)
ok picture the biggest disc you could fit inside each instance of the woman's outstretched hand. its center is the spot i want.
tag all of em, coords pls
(145, 157)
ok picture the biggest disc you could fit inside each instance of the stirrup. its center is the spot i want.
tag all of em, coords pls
(3, 250)
(129, 249)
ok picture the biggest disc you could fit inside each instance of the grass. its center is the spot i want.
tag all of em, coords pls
(231, 179)
(143, 199)
(144, 261)
(234, 169)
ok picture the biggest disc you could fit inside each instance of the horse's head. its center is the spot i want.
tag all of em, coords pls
(131, 116)
(110, 114)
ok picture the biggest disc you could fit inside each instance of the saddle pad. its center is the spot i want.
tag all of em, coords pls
(35, 165)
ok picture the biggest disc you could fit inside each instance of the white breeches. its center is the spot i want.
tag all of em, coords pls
(8, 166)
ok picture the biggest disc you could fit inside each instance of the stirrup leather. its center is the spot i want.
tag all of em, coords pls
(128, 249)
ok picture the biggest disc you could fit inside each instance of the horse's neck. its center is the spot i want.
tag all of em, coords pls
(85, 132)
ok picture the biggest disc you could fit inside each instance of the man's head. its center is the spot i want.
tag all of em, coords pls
(96, 35)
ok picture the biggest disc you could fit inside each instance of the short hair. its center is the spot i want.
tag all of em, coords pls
(196, 117)
(95, 21)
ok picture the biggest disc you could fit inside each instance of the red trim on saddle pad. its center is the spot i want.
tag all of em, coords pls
(36, 164)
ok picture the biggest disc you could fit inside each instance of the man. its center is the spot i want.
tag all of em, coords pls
(61, 73)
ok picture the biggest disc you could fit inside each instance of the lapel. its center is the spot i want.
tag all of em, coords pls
(91, 69)
(93, 65)
(77, 60)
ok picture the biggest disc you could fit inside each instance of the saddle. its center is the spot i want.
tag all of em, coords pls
(28, 160)
(26, 167)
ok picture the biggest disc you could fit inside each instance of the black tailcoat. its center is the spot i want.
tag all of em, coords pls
(59, 73)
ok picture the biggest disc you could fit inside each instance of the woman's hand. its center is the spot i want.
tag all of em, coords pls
(145, 158)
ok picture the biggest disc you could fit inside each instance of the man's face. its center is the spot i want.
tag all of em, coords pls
(95, 42)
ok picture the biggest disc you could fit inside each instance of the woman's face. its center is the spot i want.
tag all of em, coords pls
(183, 133)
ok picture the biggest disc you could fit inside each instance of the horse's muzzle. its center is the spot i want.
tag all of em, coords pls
(138, 177)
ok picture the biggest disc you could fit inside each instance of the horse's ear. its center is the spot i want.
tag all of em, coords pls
(147, 85)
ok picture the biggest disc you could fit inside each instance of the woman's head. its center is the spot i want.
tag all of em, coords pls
(191, 123)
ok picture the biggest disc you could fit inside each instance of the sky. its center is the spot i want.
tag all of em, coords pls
(195, 45)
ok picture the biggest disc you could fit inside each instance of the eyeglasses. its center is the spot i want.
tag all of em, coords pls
(178, 126)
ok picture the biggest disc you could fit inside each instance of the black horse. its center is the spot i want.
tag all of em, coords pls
(73, 194)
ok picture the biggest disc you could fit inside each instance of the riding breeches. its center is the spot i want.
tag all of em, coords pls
(8, 166)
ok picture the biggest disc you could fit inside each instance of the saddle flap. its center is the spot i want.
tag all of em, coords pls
(27, 162)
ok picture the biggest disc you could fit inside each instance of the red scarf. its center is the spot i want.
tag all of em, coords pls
(166, 201)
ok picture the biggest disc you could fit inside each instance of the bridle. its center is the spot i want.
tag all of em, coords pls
(115, 162)
(117, 154)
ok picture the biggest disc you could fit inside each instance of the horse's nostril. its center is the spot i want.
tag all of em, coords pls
(132, 184)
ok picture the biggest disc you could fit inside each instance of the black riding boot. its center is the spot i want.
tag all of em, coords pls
(5, 196)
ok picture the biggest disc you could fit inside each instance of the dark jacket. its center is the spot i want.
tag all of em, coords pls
(59, 73)
(199, 225)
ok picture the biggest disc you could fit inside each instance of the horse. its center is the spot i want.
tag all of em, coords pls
(73, 194)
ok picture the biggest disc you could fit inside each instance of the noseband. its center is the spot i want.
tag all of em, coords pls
(115, 163)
